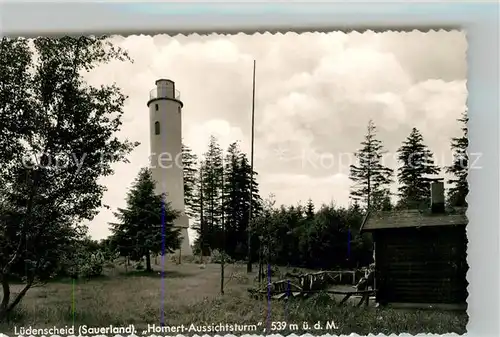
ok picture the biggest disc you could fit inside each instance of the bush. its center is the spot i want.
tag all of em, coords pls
(273, 271)
(216, 257)
(91, 264)
(82, 263)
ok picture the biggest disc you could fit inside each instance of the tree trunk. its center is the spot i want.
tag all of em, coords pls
(222, 274)
(5, 299)
(5, 307)
(148, 262)
(19, 296)
(261, 264)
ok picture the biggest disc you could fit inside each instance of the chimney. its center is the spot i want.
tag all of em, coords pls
(437, 196)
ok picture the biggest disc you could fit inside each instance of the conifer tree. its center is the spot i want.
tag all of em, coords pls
(371, 178)
(413, 176)
(189, 162)
(309, 209)
(201, 242)
(233, 197)
(459, 168)
(146, 225)
(248, 182)
(211, 177)
(237, 199)
(382, 200)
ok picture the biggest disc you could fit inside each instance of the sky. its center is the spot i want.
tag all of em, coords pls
(315, 93)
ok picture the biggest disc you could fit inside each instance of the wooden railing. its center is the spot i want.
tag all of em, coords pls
(302, 285)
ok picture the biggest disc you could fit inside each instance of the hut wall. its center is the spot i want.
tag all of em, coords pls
(421, 265)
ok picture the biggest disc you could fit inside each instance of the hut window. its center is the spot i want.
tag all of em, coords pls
(156, 107)
(157, 128)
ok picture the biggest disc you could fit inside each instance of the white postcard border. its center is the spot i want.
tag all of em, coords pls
(480, 20)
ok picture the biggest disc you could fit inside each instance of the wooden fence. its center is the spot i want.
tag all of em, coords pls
(302, 285)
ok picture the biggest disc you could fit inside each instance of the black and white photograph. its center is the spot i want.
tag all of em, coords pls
(234, 184)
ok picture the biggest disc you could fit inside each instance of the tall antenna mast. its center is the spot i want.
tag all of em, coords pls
(249, 226)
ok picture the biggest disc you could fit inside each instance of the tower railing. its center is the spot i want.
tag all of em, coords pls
(162, 93)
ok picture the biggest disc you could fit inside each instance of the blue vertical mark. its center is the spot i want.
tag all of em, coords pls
(348, 243)
(163, 238)
(268, 297)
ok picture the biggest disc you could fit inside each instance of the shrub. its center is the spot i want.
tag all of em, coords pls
(82, 263)
(91, 264)
(216, 257)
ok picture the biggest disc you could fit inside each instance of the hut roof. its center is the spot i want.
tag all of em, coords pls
(411, 219)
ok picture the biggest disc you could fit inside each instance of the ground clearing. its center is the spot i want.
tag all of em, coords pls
(192, 295)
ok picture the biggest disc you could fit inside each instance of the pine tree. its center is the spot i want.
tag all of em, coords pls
(248, 181)
(202, 244)
(370, 176)
(309, 209)
(237, 199)
(417, 164)
(212, 170)
(382, 200)
(233, 196)
(146, 225)
(189, 161)
(460, 189)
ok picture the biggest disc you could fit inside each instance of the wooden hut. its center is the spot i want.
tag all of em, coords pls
(420, 256)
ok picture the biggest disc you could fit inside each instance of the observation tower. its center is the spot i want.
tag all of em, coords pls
(165, 123)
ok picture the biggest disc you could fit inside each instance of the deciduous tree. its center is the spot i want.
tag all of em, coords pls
(57, 139)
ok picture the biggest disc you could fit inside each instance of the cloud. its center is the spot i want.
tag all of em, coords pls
(296, 188)
(198, 135)
(315, 93)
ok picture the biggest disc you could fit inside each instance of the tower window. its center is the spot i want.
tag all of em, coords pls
(156, 107)
(157, 128)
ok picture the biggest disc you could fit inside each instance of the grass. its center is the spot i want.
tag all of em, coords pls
(192, 295)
